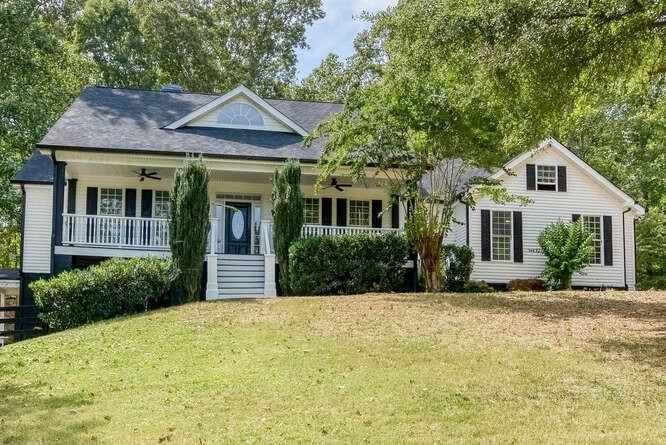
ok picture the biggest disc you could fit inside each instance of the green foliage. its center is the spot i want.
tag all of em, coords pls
(109, 289)
(287, 215)
(477, 287)
(651, 250)
(348, 264)
(458, 265)
(189, 225)
(567, 247)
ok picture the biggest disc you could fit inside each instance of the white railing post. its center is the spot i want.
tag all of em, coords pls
(211, 277)
(213, 235)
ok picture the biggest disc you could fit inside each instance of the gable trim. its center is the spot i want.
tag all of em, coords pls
(241, 89)
(598, 177)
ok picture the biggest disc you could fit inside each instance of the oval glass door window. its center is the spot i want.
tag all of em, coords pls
(238, 224)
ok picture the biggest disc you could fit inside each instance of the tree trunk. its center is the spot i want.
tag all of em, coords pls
(430, 263)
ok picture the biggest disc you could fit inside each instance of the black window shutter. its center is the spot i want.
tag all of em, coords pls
(608, 240)
(575, 217)
(341, 207)
(71, 196)
(485, 235)
(376, 213)
(146, 203)
(517, 237)
(130, 202)
(561, 178)
(326, 211)
(91, 209)
(395, 215)
(91, 201)
(530, 171)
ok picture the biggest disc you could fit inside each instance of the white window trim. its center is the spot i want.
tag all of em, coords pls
(536, 178)
(349, 213)
(492, 236)
(99, 200)
(153, 212)
(601, 239)
(318, 208)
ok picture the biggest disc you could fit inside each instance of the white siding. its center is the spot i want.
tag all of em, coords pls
(583, 196)
(37, 232)
(630, 250)
(210, 119)
(457, 233)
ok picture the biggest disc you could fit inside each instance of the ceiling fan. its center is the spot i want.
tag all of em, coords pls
(143, 175)
(336, 185)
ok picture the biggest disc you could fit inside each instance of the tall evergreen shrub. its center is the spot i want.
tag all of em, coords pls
(287, 214)
(189, 225)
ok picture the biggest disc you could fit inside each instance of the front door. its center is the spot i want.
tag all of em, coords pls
(237, 228)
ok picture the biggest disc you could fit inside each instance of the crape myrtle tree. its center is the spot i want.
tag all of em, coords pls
(189, 225)
(419, 128)
(287, 214)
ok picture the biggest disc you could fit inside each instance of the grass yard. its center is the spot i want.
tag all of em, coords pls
(560, 367)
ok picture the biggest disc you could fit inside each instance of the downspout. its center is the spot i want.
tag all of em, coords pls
(624, 249)
(467, 224)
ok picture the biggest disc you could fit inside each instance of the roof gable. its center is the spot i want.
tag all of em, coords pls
(597, 177)
(240, 94)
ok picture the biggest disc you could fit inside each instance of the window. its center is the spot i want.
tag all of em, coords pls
(546, 177)
(161, 204)
(593, 225)
(359, 213)
(501, 236)
(256, 224)
(240, 114)
(111, 202)
(311, 209)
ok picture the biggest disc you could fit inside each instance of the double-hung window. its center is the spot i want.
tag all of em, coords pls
(546, 177)
(593, 225)
(359, 213)
(161, 204)
(111, 202)
(311, 211)
(501, 236)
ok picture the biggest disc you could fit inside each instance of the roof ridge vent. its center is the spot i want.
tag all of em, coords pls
(171, 88)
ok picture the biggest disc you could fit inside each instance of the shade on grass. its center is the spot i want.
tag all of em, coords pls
(381, 368)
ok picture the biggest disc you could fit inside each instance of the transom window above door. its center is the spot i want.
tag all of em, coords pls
(546, 177)
(111, 202)
(359, 213)
(311, 211)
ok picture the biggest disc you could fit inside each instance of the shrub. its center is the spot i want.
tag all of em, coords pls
(477, 287)
(109, 289)
(567, 247)
(526, 284)
(348, 264)
(457, 267)
(650, 251)
(287, 215)
(189, 225)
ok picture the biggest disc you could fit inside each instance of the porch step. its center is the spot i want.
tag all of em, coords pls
(240, 276)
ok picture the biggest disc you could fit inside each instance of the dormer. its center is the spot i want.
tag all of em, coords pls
(240, 108)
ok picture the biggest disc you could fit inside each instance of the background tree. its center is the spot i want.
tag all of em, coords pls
(287, 215)
(189, 225)
(567, 247)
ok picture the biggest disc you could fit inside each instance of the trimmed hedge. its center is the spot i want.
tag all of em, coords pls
(112, 288)
(348, 264)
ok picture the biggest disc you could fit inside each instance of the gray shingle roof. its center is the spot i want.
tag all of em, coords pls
(132, 120)
(38, 169)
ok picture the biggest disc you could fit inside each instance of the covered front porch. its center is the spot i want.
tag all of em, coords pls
(109, 209)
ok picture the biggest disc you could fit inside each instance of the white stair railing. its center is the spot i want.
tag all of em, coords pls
(266, 239)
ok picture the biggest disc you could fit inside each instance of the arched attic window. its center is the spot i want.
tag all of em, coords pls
(240, 114)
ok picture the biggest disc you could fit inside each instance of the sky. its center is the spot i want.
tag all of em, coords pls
(335, 33)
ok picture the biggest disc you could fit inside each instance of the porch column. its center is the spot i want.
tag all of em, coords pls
(211, 277)
(269, 275)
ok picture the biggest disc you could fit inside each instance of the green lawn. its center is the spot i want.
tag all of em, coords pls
(560, 367)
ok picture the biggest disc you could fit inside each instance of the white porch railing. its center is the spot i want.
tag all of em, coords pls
(309, 230)
(115, 231)
(266, 238)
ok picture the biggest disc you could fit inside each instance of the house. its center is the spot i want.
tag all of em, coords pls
(560, 186)
(99, 187)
